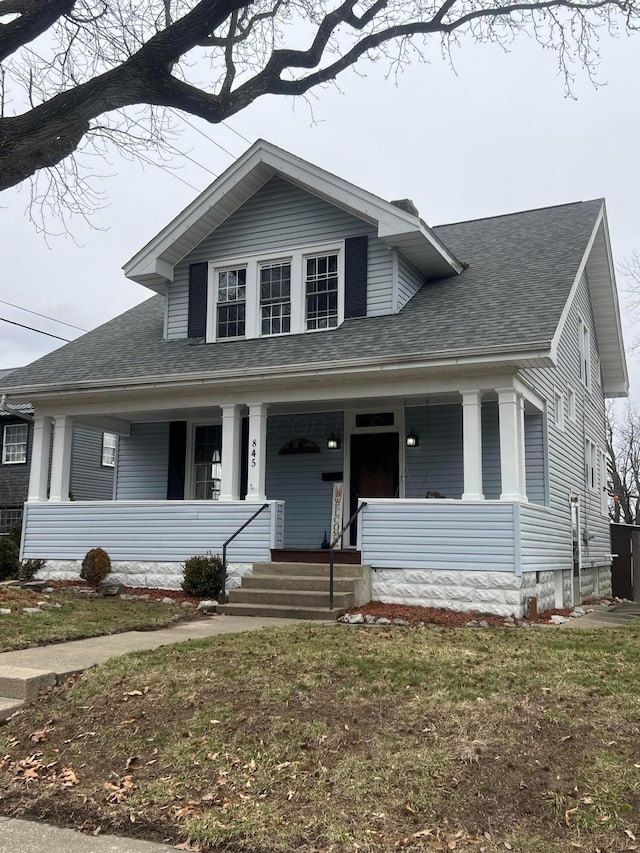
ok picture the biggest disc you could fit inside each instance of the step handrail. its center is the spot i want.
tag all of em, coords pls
(332, 545)
(223, 591)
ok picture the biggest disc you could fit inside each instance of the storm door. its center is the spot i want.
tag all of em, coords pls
(375, 468)
(207, 467)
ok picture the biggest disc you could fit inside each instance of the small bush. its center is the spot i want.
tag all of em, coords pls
(9, 563)
(30, 568)
(203, 576)
(15, 534)
(95, 566)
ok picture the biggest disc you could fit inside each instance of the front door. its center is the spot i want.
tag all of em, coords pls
(374, 468)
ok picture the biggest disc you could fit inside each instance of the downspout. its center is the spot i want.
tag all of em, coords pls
(7, 410)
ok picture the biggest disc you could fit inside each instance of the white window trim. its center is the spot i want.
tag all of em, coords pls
(189, 477)
(604, 492)
(5, 444)
(584, 352)
(106, 445)
(591, 462)
(558, 407)
(296, 256)
(571, 404)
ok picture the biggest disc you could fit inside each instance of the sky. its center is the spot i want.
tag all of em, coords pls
(496, 135)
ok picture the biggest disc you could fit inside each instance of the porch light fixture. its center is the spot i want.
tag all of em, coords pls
(413, 440)
(333, 442)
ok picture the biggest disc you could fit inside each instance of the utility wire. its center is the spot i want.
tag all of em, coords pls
(206, 136)
(44, 316)
(31, 329)
(237, 132)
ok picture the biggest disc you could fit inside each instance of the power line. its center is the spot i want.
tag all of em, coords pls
(44, 316)
(237, 132)
(206, 136)
(31, 329)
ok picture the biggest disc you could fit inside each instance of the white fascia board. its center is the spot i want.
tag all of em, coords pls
(390, 220)
(616, 313)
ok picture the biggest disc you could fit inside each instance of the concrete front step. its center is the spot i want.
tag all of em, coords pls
(291, 598)
(281, 612)
(297, 582)
(315, 570)
(9, 707)
(18, 682)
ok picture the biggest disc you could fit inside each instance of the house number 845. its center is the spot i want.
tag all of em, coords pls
(254, 452)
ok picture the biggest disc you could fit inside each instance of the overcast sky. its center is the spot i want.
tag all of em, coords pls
(497, 136)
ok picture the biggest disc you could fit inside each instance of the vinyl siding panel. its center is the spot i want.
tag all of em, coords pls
(143, 458)
(491, 473)
(439, 535)
(297, 479)
(566, 458)
(168, 531)
(278, 217)
(543, 543)
(436, 464)
(535, 457)
(90, 480)
(409, 280)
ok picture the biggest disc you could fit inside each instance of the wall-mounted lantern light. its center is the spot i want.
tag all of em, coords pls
(333, 442)
(413, 440)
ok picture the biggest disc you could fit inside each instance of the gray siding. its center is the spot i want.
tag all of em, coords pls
(169, 531)
(543, 545)
(436, 464)
(535, 457)
(491, 474)
(409, 280)
(281, 216)
(566, 447)
(439, 535)
(90, 479)
(297, 479)
(143, 459)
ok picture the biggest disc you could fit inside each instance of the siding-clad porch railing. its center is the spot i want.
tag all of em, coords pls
(162, 531)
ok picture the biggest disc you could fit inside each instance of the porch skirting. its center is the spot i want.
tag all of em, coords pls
(141, 574)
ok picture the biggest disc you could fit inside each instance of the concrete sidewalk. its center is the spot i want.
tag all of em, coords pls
(606, 616)
(23, 836)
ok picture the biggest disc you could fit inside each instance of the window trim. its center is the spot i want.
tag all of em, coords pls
(604, 479)
(571, 404)
(6, 444)
(558, 408)
(591, 464)
(106, 446)
(584, 353)
(297, 257)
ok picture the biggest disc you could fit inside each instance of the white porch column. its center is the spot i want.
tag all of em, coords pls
(61, 460)
(511, 445)
(256, 488)
(231, 423)
(39, 474)
(472, 446)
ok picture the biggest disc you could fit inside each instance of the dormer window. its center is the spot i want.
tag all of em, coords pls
(231, 303)
(275, 298)
(321, 292)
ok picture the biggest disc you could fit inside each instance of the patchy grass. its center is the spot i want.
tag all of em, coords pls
(328, 738)
(76, 618)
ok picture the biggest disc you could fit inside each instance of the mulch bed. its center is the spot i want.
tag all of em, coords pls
(443, 618)
(154, 594)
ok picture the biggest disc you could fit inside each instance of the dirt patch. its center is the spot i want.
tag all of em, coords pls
(416, 616)
(154, 593)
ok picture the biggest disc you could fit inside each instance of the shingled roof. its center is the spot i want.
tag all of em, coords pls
(510, 299)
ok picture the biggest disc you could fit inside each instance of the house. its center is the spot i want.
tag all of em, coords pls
(92, 462)
(312, 349)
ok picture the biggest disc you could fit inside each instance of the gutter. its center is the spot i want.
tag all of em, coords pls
(9, 411)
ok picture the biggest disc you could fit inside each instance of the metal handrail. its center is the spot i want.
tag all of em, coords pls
(223, 591)
(331, 546)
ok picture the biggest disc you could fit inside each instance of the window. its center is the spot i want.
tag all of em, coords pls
(14, 446)
(604, 484)
(275, 298)
(10, 517)
(321, 292)
(207, 467)
(109, 444)
(584, 349)
(591, 470)
(558, 411)
(571, 404)
(230, 299)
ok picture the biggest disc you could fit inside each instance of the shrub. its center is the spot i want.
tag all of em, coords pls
(203, 576)
(30, 568)
(95, 566)
(15, 534)
(9, 563)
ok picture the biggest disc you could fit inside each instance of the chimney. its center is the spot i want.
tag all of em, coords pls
(407, 205)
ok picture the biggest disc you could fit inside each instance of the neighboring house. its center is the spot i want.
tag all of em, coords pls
(92, 465)
(306, 332)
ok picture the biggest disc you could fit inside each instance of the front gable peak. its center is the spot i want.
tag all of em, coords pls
(397, 225)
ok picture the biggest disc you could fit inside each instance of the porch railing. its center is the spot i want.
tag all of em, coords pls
(346, 527)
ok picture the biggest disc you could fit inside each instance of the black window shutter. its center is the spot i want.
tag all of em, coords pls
(177, 454)
(355, 275)
(198, 275)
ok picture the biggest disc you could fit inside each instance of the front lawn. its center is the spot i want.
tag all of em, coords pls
(76, 618)
(334, 738)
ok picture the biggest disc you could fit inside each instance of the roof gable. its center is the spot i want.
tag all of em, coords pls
(153, 265)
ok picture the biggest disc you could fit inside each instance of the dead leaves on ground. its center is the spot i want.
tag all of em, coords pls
(32, 769)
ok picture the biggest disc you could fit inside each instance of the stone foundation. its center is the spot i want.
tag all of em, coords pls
(143, 574)
(542, 585)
